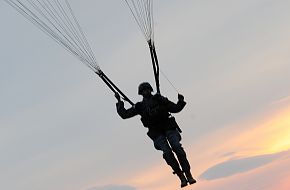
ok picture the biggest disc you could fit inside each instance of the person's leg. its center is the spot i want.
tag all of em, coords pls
(174, 138)
(161, 143)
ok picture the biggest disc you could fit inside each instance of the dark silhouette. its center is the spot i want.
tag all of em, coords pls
(162, 128)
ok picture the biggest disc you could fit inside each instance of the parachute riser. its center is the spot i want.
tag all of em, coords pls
(155, 64)
(112, 86)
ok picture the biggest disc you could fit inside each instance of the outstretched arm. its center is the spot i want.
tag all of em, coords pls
(125, 113)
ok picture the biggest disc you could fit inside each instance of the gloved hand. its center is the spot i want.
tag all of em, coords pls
(180, 97)
(118, 97)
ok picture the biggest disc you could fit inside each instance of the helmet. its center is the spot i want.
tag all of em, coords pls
(143, 86)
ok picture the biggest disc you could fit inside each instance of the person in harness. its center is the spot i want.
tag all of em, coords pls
(162, 128)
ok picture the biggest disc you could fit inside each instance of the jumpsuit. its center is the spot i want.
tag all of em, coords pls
(162, 127)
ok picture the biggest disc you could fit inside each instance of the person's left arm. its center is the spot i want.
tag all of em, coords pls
(175, 107)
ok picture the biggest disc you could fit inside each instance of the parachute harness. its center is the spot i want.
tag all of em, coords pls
(154, 64)
(113, 87)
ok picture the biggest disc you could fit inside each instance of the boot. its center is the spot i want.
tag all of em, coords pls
(189, 178)
(182, 179)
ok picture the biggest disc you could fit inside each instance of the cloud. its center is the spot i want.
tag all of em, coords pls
(232, 167)
(228, 154)
(114, 187)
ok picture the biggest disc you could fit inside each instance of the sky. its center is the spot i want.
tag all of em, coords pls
(230, 59)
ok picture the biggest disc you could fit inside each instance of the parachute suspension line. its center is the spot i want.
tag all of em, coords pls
(82, 33)
(61, 19)
(57, 20)
(171, 84)
(142, 10)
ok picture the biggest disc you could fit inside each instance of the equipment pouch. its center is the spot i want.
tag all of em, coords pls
(173, 123)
